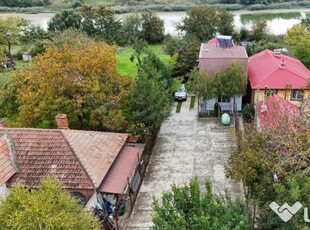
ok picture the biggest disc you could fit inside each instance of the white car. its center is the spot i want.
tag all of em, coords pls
(181, 94)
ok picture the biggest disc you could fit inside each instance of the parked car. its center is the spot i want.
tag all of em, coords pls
(181, 94)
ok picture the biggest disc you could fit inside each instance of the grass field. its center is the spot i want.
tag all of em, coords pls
(4, 76)
(126, 67)
(192, 102)
(179, 105)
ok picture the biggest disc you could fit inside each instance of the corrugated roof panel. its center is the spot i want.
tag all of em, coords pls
(122, 168)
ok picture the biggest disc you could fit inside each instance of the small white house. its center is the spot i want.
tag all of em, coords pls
(227, 105)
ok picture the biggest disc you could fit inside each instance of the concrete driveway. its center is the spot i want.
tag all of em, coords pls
(186, 147)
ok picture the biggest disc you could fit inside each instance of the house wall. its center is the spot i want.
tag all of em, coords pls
(213, 65)
(3, 191)
(285, 94)
(208, 106)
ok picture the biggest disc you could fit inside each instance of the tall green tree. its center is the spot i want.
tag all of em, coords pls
(100, 22)
(131, 28)
(233, 83)
(47, 207)
(150, 99)
(152, 28)
(186, 208)
(259, 30)
(225, 24)
(187, 56)
(172, 44)
(149, 103)
(299, 37)
(203, 23)
(9, 33)
(65, 20)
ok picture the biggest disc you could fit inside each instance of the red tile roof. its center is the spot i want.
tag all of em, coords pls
(96, 151)
(122, 168)
(212, 51)
(278, 110)
(44, 152)
(80, 159)
(6, 167)
(264, 69)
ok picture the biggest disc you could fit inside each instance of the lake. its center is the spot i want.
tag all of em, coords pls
(278, 21)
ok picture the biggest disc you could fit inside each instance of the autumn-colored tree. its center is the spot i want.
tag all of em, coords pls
(82, 83)
(72, 37)
(47, 207)
(273, 164)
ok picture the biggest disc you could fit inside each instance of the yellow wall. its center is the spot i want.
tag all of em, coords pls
(286, 94)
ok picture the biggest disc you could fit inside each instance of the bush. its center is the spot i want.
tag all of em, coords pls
(248, 111)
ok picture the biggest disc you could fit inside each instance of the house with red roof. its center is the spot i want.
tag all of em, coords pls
(279, 74)
(218, 55)
(274, 110)
(98, 167)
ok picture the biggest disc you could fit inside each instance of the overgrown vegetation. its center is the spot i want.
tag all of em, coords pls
(273, 165)
(47, 207)
(186, 207)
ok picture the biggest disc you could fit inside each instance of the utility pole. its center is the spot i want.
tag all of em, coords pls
(256, 108)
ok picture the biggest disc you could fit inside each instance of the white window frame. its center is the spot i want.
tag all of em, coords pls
(296, 95)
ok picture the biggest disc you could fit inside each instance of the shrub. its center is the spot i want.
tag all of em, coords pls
(248, 111)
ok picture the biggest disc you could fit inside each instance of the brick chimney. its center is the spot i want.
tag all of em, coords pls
(62, 122)
(3, 123)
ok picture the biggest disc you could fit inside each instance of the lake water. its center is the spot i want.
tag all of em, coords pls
(278, 22)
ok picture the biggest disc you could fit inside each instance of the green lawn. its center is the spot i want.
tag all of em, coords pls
(192, 102)
(179, 105)
(126, 67)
